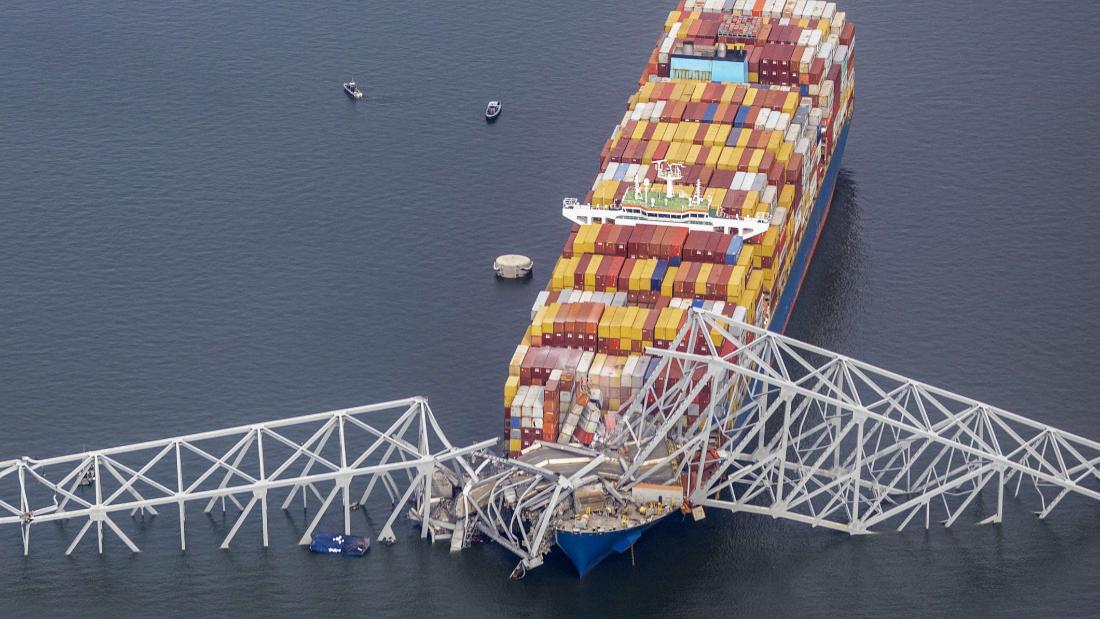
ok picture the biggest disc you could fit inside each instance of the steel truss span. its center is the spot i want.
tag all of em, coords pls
(797, 432)
(396, 448)
(738, 417)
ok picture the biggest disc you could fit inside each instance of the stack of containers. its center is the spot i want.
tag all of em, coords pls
(758, 148)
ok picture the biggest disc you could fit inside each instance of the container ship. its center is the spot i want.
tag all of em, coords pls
(712, 192)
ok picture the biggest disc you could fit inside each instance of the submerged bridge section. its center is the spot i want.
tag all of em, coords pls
(789, 430)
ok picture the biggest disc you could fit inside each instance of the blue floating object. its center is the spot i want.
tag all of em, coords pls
(339, 544)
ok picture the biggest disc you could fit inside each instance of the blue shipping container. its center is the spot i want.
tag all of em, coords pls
(658, 275)
(709, 116)
(733, 250)
(739, 121)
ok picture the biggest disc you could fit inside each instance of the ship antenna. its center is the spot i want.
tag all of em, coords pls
(668, 172)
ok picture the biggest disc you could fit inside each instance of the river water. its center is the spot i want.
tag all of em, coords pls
(198, 230)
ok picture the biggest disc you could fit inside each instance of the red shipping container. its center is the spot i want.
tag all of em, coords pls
(848, 34)
(601, 238)
(582, 268)
(674, 242)
(659, 154)
(567, 251)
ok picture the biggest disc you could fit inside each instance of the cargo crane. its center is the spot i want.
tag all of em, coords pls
(791, 431)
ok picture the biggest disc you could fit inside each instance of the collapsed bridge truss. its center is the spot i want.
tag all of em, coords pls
(743, 419)
(396, 446)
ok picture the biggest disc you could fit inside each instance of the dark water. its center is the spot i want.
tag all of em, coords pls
(197, 229)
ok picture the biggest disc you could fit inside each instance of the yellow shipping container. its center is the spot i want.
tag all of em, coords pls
(639, 130)
(670, 278)
(727, 161)
(745, 258)
(588, 244)
(628, 323)
(616, 332)
(548, 319)
(756, 280)
(673, 17)
(700, 88)
(590, 274)
(771, 239)
(670, 132)
(775, 142)
(743, 138)
(713, 156)
(701, 279)
(536, 324)
(677, 152)
(511, 388)
(684, 133)
(769, 278)
(752, 198)
(750, 96)
(790, 104)
(786, 197)
(603, 329)
(648, 267)
(639, 324)
(786, 149)
(514, 445)
(712, 134)
(693, 154)
(635, 275)
(556, 278)
(754, 77)
(662, 322)
(716, 196)
(647, 156)
(722, 135)
(754, 163)
(736, 283)
(763, 209)
(727, 93)
(646, 95)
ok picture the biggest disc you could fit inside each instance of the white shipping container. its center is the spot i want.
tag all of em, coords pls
(783, 123)
(658, 110)
(773, 121)
(830, 11)
(769, 195)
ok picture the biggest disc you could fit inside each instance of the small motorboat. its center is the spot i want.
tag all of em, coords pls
(492, 111)
(338, 544)
(353, 90)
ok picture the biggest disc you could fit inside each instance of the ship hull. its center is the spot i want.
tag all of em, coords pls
(587, 550)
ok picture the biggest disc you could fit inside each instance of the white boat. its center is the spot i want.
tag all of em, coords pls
(353, 90)
(493, 110)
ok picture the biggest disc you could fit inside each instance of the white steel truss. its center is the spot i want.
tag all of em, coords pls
(798, 432)
(741, 418)
(396, 445)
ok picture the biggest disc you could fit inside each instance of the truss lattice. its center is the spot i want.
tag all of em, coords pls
(794, 431)
(397, 447)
